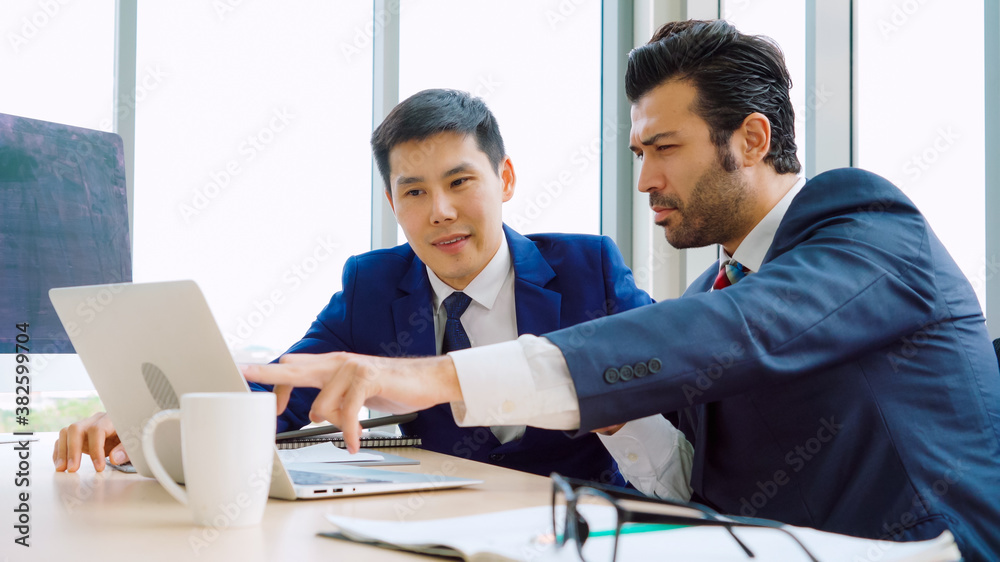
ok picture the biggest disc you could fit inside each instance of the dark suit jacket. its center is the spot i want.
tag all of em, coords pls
(849, 385)
(386, 309)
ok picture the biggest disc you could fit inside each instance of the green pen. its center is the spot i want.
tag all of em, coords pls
(628, 529)
(636, 528)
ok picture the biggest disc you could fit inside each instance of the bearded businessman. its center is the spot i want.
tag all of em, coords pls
(832, 371)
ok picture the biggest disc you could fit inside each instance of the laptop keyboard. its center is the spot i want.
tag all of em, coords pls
(315, 478)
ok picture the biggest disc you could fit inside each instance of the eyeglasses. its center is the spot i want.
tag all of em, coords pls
(582, 510)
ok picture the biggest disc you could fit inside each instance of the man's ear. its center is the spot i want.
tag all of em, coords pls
(753, 139)
(388, 195)
(508, 177)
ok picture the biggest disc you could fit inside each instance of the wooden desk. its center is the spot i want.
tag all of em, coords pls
(112, 516)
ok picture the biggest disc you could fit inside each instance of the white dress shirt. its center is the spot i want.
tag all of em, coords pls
(755, 246)
(491, 316)
(527, 381)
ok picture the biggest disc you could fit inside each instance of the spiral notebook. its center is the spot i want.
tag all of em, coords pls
(369, 440)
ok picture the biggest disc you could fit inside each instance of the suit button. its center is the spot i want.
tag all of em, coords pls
(626, 373)
(641, 370)
(655, 365)
(611, 376)
(496, 457)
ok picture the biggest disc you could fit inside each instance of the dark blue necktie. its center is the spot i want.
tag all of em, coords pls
(455, 337)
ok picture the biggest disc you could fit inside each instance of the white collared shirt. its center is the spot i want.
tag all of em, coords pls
(754, 247)
(491, 316)
(527, 381)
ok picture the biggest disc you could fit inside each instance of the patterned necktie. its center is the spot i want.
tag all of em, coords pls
(730, 272)
(455, 337)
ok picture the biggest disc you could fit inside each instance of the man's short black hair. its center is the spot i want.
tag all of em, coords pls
(430, 112)
(734, 74)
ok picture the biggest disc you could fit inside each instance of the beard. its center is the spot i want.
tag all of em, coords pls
(716, 212)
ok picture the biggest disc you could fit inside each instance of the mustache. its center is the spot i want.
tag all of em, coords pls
(660, 200)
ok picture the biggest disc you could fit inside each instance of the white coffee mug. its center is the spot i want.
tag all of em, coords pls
(227, 448)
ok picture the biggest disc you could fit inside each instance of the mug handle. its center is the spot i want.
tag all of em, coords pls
(153, 461)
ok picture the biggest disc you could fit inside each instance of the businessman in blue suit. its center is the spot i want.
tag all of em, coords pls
(833, 371)
(446, 176)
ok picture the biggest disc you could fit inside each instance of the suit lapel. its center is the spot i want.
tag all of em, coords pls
(537, 308)
(700, 443)
(698, 416)
(413, 313)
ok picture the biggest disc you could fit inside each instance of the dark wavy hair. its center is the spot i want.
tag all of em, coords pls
(430, 112)
(734, 74)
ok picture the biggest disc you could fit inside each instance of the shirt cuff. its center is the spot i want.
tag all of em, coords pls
(654, 456)
(522, 382)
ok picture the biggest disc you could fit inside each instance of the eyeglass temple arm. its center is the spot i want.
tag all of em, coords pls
(794, 538)
(640, 517)
(768, 523)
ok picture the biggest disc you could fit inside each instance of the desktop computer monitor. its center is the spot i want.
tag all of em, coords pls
(63, 222)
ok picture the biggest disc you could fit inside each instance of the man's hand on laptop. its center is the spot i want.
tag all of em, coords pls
(348, 381)
(96, 436)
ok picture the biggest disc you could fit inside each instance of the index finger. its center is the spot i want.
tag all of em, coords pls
(276, 373)
(282, 393)
(351, 407)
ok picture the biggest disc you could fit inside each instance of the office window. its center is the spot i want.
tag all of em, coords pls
(538, 67)
(784, 21)
(253, 170)
(58, 64)
(58, 61)
(920, 114)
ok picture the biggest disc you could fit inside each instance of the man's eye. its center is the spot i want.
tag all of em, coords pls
(459, 182)
(665, 146)
(413, 192)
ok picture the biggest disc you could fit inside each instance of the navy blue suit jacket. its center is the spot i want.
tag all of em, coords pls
(386, 309)
(849, 385)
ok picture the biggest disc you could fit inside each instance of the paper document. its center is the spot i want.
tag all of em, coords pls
(525, 534)
(324, 452)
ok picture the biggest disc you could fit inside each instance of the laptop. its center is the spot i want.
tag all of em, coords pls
(146, 344)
